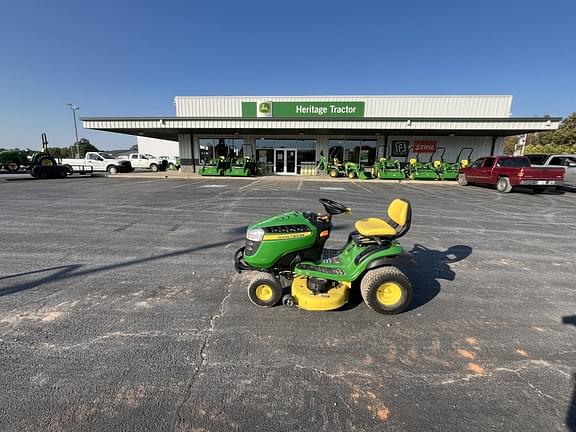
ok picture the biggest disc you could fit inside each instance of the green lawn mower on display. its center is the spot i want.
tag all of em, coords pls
(449, 170)
(418, 170)
(386, 169)
(286, 252)
(241, 167)
(214, 167)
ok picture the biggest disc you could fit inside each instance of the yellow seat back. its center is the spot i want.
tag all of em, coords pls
(464, 163)
(437, 164)
(413, 161)
(398, 211)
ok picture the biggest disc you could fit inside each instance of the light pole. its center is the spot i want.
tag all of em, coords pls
(74, 108)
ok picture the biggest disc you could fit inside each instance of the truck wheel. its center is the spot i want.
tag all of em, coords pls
(154, 167)
(264, 290)
(112, 170)
(386, 290)
(462, 180)
(503, 185)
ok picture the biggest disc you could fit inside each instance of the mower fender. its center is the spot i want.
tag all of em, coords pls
(402, 261)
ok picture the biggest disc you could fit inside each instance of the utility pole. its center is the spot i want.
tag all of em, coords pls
(74, 108)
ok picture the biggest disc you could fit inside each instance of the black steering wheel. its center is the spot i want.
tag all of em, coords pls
(333, 207)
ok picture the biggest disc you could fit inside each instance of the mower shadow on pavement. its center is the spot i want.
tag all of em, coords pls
(75, 270)
(431, 267)
(571, 415)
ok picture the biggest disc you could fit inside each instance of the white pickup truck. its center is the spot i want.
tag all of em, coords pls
(100, 162)
(139, 160)
(566, 161)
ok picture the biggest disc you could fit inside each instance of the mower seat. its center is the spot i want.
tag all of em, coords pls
(400, 214)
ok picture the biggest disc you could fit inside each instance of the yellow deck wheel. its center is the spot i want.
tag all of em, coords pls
(389, 293)
(265, 289)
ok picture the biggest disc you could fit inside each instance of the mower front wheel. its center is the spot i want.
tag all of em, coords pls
(386, 290)
(264, 290)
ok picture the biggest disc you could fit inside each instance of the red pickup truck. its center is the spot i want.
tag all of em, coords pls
(506, 172)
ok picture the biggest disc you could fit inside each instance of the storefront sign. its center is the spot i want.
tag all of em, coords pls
(303, 109)
(425, 146)
(400, 148)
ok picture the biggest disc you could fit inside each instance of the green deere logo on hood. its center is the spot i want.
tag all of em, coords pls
(264, 107)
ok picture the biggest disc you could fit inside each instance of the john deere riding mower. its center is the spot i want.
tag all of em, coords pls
(418, 170)
(241, 167)
(449, 170)
(286, 259)
(386, 169)
(214, 167)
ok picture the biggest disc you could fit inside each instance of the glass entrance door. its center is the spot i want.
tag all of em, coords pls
(285, 161)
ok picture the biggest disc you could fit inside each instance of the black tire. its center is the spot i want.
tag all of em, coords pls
(112, 170)
(334, 173)
(352, 175)
(154, 167)
(69, 169)
(503, 185)
(386, 283)
(44, 160)
(264, 290)
(462, 180)
(11, 166)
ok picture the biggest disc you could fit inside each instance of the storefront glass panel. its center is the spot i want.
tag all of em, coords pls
(211, 148)
(288, 161)
(359, 151)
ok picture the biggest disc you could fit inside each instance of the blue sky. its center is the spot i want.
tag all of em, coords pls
(127, 58)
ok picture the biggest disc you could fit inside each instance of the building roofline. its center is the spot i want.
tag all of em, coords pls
(331, 119)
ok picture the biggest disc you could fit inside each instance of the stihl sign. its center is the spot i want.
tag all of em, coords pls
(424, 146)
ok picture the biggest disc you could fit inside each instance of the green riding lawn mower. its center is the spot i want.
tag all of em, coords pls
(449, 170)
(241, 167)
(214, 167)
(351, 170)
(387, 169)
(287, 261)
(417, 170)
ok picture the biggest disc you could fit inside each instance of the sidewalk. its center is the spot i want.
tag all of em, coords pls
(175, 175)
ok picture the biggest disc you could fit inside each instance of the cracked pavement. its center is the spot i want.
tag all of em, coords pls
(120, 310)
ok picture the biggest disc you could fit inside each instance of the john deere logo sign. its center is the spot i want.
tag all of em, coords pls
(264, 109)
(303, 109)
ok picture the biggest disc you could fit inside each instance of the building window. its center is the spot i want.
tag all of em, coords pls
(211, 148)
(359, 151)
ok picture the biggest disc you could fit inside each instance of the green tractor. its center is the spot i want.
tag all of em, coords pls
(418, 170)
(449, 170)
(214, 167)
(346, 169)
(386, 169)
(12, 160)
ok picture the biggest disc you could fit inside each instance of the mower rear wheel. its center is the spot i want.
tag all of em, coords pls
(334, 173)
(11, 166)
(351, 175)
(386, 290)
(264, 290)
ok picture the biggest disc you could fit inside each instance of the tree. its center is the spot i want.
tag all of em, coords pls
(562, 140)
(510, 144)
(84, 146)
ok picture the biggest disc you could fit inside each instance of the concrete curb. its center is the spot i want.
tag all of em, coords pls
(183, 176)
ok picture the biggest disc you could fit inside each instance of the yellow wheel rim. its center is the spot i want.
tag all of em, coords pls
(264, 292)
(389, 293)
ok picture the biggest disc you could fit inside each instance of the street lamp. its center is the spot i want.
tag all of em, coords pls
(74, 108)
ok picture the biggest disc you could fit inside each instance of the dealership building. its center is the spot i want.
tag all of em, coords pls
(285, 133)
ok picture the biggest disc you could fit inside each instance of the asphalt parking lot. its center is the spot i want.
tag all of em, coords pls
(120, 310)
